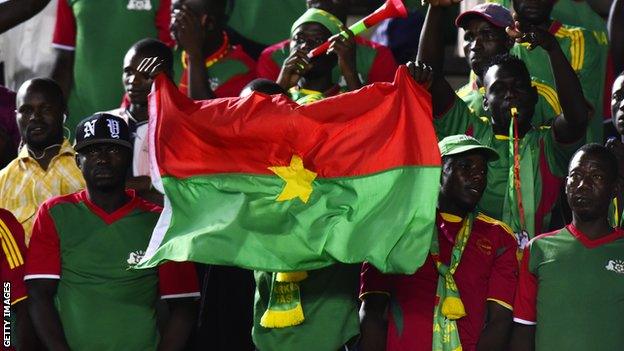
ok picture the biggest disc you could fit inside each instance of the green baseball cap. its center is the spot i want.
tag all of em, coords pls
(458, 144)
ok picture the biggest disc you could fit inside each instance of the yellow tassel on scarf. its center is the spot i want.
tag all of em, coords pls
(284, 308)
(453, 308)
(282, 319)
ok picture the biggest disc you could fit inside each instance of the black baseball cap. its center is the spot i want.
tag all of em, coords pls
(102, 128)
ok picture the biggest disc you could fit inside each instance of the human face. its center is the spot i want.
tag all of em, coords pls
(504, 89)
(307, 37)
(464, 178)
(104, 166)
(617, 104)
(482, 42)
(136, 84)
(533, 11)
(39, 116)
(589, 186)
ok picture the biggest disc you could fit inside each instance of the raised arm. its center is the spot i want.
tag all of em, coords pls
(44, 315)
(14, 12)
(431, 52)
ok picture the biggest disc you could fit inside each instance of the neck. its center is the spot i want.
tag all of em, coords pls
(321, 84)
(593, 229)
(447, 205)
(44, 155)
(212, 42)
(108, 200)
(500, 129)
(138, 112)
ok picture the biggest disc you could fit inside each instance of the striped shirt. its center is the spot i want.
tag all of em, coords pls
(24, 185)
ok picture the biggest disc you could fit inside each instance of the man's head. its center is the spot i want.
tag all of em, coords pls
(617, 104)
(533, 11)
(592, 183)
(338, 8)
(312, 29)
(40, 108)
(103, 151)
(464, 170)
(211, 13)
(262, 85)
(137, 84)
(485, 35)
(508, 84)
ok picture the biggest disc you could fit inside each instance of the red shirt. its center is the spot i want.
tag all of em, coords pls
(487, 271)
(381, 69)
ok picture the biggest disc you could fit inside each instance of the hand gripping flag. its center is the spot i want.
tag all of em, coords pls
(265, 184)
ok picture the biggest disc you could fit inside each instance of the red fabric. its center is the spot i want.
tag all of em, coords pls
(487, 270)
(44, 252)
(65, 27)
(163, 19)
(121, 212)
(551, 187)
(233, 86)
(177, 278)
(13, 239)
(376, 128)
(593, 243)
(525, 303)
(382, 69)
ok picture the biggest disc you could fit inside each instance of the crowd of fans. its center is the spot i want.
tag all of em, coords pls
(528, 246)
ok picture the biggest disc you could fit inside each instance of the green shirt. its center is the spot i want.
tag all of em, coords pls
(545, 158)
(572, 289)
(588, 58)
(546, 109)
(329, 298)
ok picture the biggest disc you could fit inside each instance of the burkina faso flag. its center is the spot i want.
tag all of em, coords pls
(263, 183)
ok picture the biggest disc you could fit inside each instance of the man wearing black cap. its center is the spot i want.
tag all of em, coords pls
(461, 298)
(84, 294)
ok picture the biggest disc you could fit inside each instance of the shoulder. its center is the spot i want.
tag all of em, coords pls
(238, 53)
(495, 226)
(73, 198)
(269, 50)
(148, 206)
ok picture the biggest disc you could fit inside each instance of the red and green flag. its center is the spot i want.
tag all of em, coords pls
(265, 184)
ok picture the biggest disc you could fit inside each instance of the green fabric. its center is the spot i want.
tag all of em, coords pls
(615, 219)
(284, 307)
(250, 18)
(329, 21)
(449, 307)
(590, 56)
(364, 58)
(305, 240)
(545, 111)
(495, 201)
(580, 297)
(571, 12)
(102, 303)
(105, 30)
(330, 303)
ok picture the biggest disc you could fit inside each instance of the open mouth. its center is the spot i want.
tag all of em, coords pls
(36, 130)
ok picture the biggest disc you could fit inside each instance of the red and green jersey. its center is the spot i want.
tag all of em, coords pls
(100, 33)
(543, 163)
(587, 53)
(572, 289)
(227, 76)
(103, 303)
(374, 62)
(329, 303)
(487, 271)
(546, 109)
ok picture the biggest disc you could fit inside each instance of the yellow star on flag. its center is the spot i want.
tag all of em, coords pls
(298, 180)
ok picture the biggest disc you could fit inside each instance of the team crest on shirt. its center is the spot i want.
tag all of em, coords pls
(139, 5)
(135, 257)
(616, 266)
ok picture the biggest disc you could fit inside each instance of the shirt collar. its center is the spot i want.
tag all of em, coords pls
(66, 149)
(617, 233)
(554, 27)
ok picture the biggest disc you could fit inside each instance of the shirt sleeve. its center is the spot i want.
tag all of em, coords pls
(14, 248)
(504, 278)
(454, 121)
(372, 281)
(525, 308)
(44, 254)
(177, 280)
(163, 19)
(65, 28)
(384, 66)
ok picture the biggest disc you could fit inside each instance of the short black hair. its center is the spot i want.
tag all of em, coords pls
(266, 86)
(604, 154)
(510, 62)
(51, 87)
(150, 47)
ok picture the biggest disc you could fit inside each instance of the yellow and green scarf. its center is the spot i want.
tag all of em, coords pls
(284, 308)
(449, 306)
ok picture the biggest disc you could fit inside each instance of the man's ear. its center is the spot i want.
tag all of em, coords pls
(77, 158)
